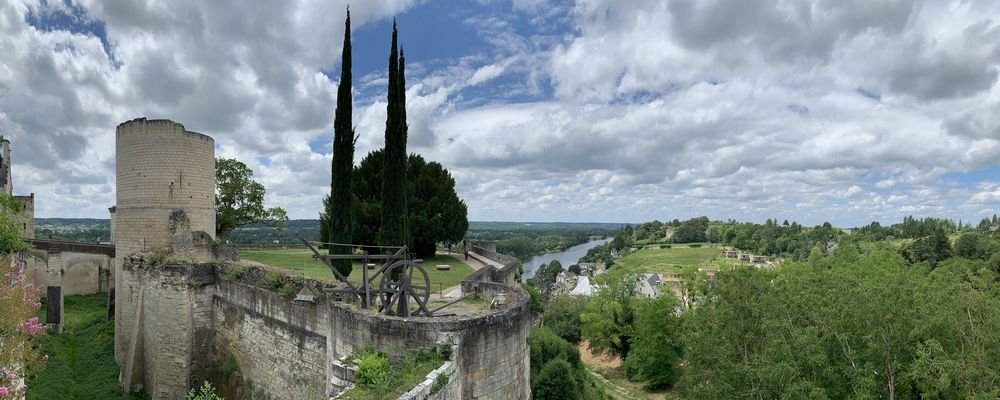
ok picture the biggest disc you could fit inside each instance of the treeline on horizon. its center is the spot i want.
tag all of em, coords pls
(792, 240)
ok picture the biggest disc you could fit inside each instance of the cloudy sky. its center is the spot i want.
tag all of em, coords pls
(596, 110)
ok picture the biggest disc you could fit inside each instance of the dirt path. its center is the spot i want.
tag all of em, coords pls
(602, 367)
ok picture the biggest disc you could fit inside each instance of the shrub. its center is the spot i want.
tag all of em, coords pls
(695, 245)
(236, 272)
(273, 280)
(664, 246)
(444, 351)
(536, 304)
(439, 383)
(205, 392)
(229, 366)
(373, 371)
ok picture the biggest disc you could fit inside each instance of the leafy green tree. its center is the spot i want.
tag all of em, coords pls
(239, 200)
(545, 276)
(517, 246)
(692, 231)
(556, 381)
(562, 317)
(968, 246)
(556, 369)
(435, 210)
(656, 347)
(393, 227)
(608, 320)
(339, 224)
(714, 235)
(436, 214)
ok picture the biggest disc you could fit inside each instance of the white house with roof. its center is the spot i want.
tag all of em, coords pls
(648, 286)
(583, 287)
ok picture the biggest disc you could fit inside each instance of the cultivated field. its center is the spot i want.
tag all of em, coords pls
(301, 261)
(669, 260)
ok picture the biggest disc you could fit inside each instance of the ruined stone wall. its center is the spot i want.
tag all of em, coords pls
(491, 354)
(28, 213)
(278, 343)
(160, 168)
(167, 351)
(76, 273)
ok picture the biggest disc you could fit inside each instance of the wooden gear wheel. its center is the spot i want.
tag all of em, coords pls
(402, 282)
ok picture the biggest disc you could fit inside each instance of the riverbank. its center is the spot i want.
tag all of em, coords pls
(566, 257)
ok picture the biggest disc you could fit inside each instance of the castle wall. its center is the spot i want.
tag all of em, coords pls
(278, 343)
(170, 344)
(77, 273)
(491, 355)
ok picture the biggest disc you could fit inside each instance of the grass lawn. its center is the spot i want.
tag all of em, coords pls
(301, 262)
(82, 359)
(668, 260)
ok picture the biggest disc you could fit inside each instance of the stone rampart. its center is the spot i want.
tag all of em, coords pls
(491, 354)
(279, 344)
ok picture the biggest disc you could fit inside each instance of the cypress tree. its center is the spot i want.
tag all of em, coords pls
(339, 211)
(393, 230)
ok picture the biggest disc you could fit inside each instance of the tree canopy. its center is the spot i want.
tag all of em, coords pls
(239, 200)
(435, 211)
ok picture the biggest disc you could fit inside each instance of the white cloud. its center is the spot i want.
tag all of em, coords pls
(600, 110)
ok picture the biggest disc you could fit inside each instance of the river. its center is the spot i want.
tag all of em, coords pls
(566, 257)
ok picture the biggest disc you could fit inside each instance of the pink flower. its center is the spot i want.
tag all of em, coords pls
(3, 390)
(46, 358)
(10, 376)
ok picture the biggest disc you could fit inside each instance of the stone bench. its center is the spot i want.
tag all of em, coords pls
(443, 267)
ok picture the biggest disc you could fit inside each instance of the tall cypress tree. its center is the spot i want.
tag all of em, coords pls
(393, 230)
(339, 212)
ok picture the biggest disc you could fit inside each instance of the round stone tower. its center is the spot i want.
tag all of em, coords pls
(161, 168)
(165, 185)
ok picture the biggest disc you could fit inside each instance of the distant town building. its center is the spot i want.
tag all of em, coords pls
(583, 287)
(648, 286)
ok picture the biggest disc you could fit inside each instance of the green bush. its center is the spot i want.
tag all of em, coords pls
(444, 351)
(664, 246)
(273, 280)
(236, 272)
(439, 383)
(373, 371)
(695, 245)
(229, 366)
(205, 392)
(537, 305)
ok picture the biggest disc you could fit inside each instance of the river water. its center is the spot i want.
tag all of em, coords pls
(566, 257)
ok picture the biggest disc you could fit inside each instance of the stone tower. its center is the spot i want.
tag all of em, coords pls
(165, 189)
(7, 187)
(5, 183)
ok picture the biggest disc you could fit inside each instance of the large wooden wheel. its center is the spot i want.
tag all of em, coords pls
(404, 281)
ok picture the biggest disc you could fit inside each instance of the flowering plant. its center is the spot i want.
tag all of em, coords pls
(19, 302)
